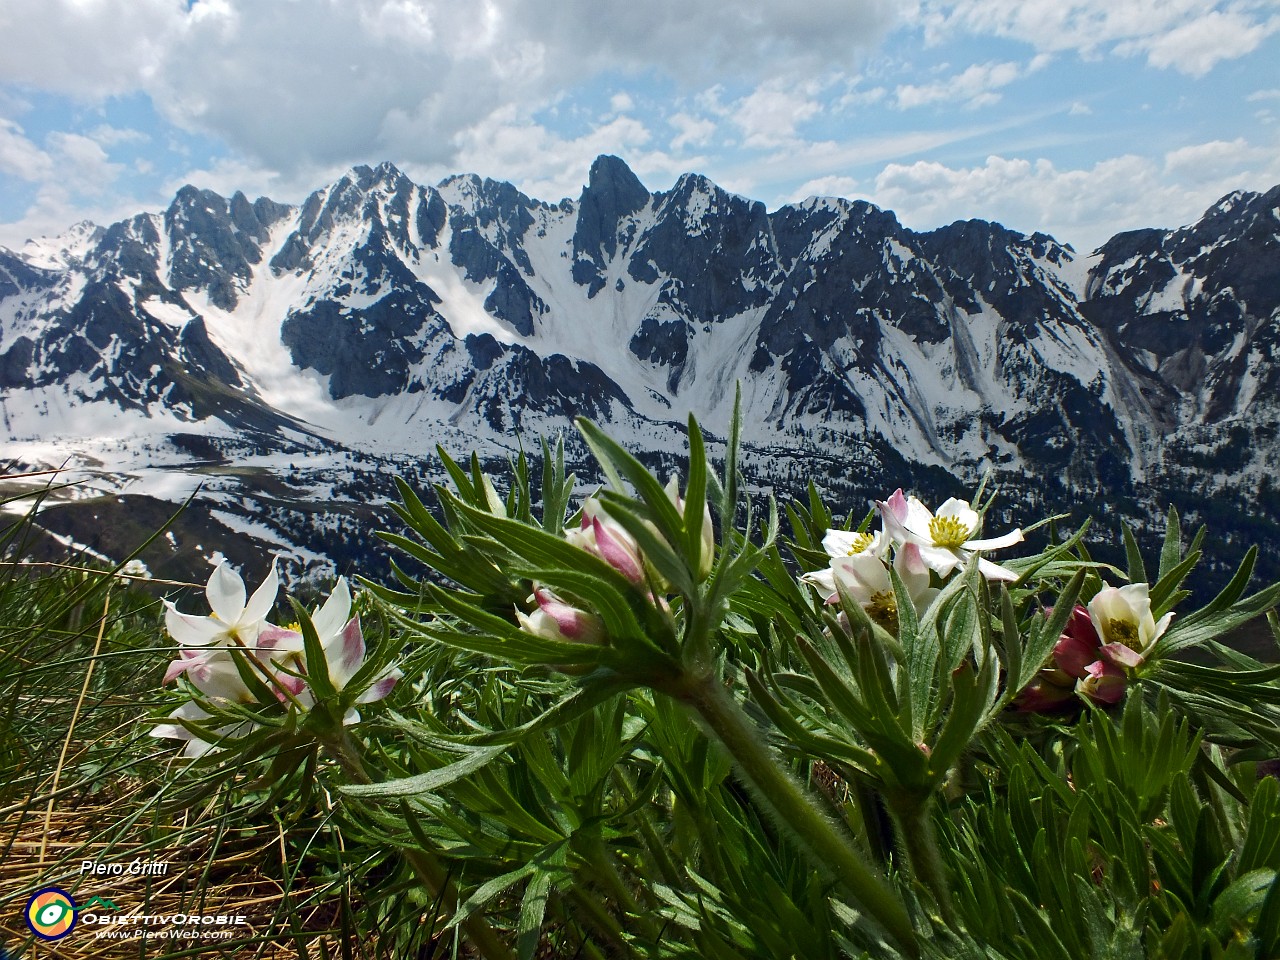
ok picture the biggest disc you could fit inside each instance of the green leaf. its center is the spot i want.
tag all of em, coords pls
(532, 909)
(431, 781)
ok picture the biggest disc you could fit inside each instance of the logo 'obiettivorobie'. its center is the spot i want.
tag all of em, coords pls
(51, 913)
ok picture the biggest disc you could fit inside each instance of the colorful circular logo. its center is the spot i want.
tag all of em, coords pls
(51, 913)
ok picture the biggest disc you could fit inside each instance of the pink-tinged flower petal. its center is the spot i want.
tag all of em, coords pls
(350, 654)
(180, 666)
(616, 553)
(896, 507)
(381, 687)
(263, 598)
(1120, 655)
(225, 592)
(333, 616)
(273, 641)
(996, 543)
(1042, 696)
(1102, 683)
(286, 685)
(1078, 645)
(1074, 657)
(909, 562)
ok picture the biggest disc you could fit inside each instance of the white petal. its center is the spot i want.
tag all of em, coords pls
(263, 598)
(938, 559)
(333, 616)
(217, 677)
(838, 543)
(226, 593)
(993, 571)
(964, 513)
(191, 631)
(996, 543)
(862, 576)
(824, 580)
(917, 519)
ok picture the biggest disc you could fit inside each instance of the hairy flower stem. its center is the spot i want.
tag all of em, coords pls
(784, 795)
(919, 840)
(430, 871)
(606, 871)
(605, 926)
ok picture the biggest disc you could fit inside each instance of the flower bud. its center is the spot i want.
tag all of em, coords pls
(557, 620)
(1102, 683)
(607, 539)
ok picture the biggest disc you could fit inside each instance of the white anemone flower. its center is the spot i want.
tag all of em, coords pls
(235, 620)
(342, 641)
(1125, 624)
(948, 538)
(865, 577)
(851, 543)
(196, 745)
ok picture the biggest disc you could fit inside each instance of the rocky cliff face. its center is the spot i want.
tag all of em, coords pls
(382, 314)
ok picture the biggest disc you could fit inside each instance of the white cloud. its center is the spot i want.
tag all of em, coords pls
(83, 166)
(317, 82)
(110, 136)
(1218, 160)
(691, 130)
(86, 49)
(1190, 36)
(19, 157)
(832, 186)
(548, 166)
(975, 86)
(768, 116)
(1083, 206)
(1263, 95)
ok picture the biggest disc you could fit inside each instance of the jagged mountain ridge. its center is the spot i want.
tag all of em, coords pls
(381, 312)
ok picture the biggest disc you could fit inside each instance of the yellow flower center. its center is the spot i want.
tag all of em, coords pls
(948, 532)
(1123, 631)
(860, 543)
(883, 609)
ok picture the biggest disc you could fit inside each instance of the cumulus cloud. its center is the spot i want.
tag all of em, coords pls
(769, 115)
(549, 166)
(1083, 206)
(690, 130)
(92, 49)
(1186, 35)
(314, 82)
(19, 157)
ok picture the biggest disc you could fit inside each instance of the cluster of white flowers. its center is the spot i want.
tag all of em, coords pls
(213, 649)
(924, 549)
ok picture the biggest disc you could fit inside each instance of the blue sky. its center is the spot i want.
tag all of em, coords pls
(1076, 117)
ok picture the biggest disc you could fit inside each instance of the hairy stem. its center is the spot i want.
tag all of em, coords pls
(783, 794)
(919, 840)
(430, 871)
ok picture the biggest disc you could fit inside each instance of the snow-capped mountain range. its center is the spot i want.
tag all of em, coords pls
(292, 354)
